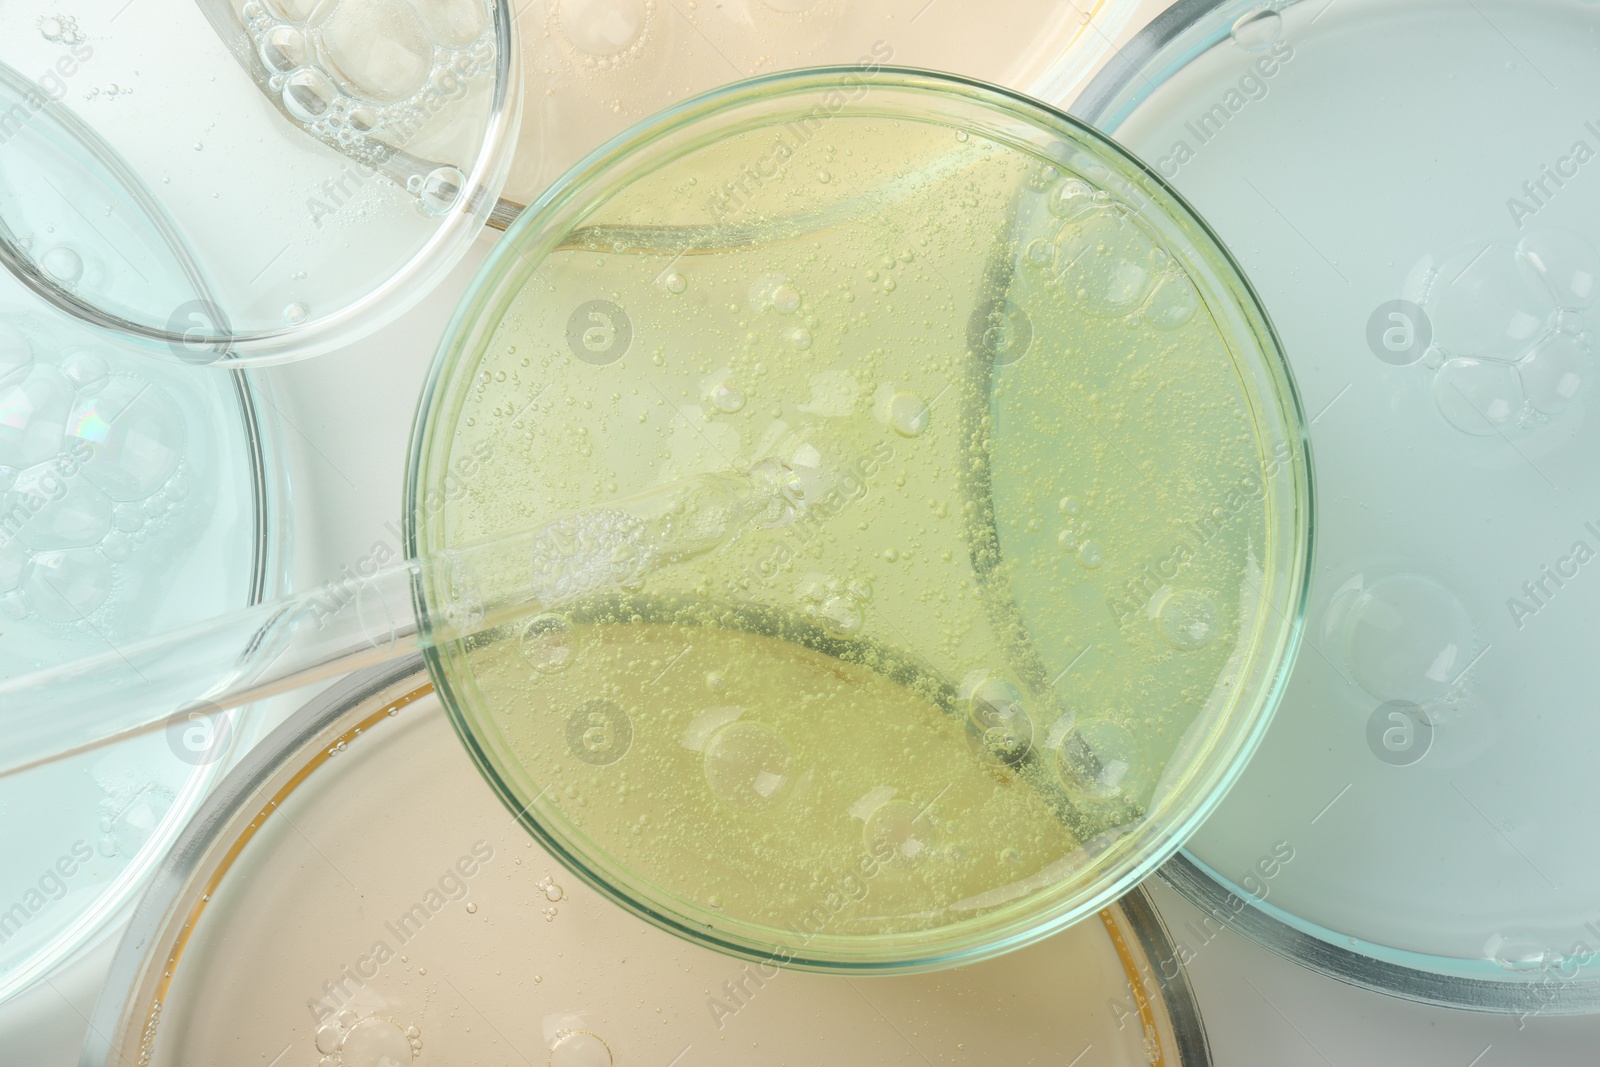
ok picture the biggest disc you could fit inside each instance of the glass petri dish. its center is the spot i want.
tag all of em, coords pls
(1434, 289)
(934, 509)
(135, 497)
(595, 67)
(354, 896)
(253, 180)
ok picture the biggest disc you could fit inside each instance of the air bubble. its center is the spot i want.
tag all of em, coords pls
(1070, 198)
(1257, 31)
(675, 283)
(908, 414)
(1485, 306)
(283, 49)
(843, 615)
(1187, 621)
(549, 643)
(1106, 262)
(1477, 396)
(375, 1043)
(1518, 953)
(1404, 637)
(1553, 374)
(903, 827)
(727, 397)
(603, 28)
(66, 586)
(997, 719)
(748, 764)
(786, 299)
(801, 339)
(1566, 264)
(85, 368)
(441, 190)
(33, 413)
(455, 23)
(580, 1048)
(384, 65)
(295, 314)
(306, 95)
(63, 265)
(1099, 762)
(136, 434)
(1091, 555)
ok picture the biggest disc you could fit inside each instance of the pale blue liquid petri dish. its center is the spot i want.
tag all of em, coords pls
(322, 166)
(135, 496)
(354, 895)
(1413, 189)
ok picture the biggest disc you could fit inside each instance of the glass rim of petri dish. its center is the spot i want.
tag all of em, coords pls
(1181, 35)
(134, 1003)
(200, 329)
(271, 555)
(1208, 768)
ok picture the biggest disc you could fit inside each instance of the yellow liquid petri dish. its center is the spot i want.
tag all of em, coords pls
(923, 509)
(354, 897)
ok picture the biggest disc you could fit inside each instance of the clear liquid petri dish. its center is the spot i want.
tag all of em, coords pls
(354, 896)
(595, 67)
(932, 510)
(251, 180)
(1407, 186)
(135, 497)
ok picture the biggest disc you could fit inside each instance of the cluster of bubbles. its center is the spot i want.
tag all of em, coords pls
(92, 468)
(347, 1040)
(1512, 345)
(1106, 262)
(368, 97)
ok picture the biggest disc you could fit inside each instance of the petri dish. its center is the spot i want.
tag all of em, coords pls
(353, 895)
(595, 67)
(135, 496)
(251, 180)
(1434, 290)
(934, 508)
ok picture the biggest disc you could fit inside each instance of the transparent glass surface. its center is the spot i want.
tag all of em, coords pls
(135, 496)
(356, 896)
(594, 67)
(1407, 186)
(248, 180)
(925, 501)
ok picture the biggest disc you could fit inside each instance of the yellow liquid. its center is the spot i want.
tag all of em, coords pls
(993, 520)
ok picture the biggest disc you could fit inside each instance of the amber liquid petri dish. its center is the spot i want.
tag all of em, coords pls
(354, 897)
